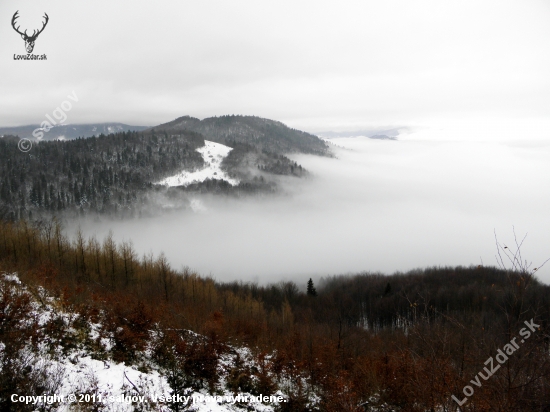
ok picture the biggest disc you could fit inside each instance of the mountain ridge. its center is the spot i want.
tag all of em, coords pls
(266, 134)
(69, 131)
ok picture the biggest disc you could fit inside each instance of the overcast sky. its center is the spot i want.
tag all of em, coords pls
(450, 69)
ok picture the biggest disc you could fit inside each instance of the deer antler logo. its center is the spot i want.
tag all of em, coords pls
(29, 40)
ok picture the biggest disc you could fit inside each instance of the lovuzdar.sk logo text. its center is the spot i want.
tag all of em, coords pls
(29, 39)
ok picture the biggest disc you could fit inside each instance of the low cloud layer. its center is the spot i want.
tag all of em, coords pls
(379, 206)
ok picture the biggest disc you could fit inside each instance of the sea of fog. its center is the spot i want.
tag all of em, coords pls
(378, 206)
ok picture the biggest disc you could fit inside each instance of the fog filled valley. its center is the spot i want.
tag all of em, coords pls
(378, 206)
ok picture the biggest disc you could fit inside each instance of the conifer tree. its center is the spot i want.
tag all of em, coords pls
(310, 288)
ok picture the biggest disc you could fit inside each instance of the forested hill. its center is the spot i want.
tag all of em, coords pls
(263, 134)
(106, 174)
(116, 174)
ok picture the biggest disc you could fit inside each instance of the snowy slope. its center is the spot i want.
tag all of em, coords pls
(213, 155)
(115, 382)
(75, 376)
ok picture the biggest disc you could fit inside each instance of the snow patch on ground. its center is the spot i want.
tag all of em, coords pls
(213, 155)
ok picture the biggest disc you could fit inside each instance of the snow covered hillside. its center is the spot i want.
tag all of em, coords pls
(213, 155)
(63, 354)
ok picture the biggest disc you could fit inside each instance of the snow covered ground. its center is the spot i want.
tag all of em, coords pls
(119, 387)
(76, 377)
(213, 155)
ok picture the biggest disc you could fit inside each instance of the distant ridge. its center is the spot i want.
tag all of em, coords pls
(382, 137)
(386, 134)
(70, 131)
